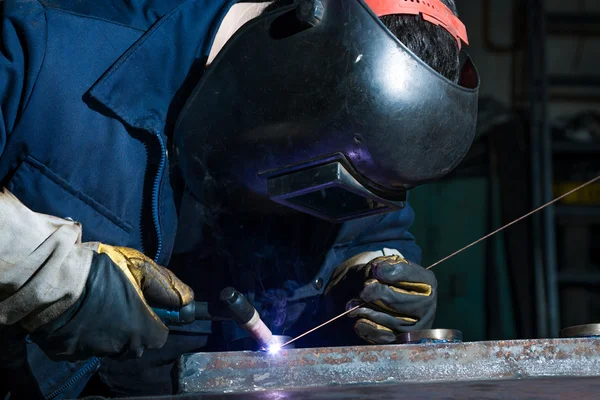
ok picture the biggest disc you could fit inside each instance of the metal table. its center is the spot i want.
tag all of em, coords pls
(552, 368)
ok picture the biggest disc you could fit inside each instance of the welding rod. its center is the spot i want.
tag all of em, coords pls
(247, 317)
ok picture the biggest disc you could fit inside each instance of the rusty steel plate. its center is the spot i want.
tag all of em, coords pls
(302, 369)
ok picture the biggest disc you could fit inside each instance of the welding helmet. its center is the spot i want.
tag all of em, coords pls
(318, 107)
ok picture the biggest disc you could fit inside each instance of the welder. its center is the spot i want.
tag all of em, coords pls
(297, 129)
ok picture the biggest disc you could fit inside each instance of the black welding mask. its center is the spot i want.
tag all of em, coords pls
(319, 108)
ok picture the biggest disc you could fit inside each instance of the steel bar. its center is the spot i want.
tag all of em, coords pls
(248, 372)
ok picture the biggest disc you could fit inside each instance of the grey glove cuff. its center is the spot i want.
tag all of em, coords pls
(43, 266)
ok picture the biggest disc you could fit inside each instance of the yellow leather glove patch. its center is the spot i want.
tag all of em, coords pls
(412, 288)
(158, 285)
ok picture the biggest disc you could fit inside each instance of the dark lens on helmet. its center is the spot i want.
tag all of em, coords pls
(329, 192)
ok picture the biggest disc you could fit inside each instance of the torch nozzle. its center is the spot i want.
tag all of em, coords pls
(247, 317)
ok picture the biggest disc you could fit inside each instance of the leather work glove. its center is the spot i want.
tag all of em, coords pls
(399, 296)
(113, 316)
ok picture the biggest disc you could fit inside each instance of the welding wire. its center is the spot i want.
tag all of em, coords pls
(458, 251)
(323, 324)
(515, 221)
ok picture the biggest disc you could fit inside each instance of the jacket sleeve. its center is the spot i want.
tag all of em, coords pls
(379, 232)
(22, 49)
(43, 264)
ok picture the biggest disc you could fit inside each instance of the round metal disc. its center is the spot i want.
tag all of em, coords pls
(430, 336)
(588, 330)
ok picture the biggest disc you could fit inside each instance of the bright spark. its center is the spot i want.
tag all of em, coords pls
(274, 348)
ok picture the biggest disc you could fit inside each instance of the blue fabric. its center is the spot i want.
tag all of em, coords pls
(374, 233)
(89, 91)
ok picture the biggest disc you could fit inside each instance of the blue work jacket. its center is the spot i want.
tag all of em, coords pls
(89, 94)
(89, 91)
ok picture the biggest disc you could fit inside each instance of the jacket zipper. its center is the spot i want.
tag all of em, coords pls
(156, 193)
(92, 364)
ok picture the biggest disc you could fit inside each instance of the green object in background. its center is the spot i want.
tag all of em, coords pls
(450, 215)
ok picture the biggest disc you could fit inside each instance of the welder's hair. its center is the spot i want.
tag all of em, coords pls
(431, 43)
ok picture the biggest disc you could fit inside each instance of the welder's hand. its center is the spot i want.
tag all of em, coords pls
(399, 296)
(113, 316)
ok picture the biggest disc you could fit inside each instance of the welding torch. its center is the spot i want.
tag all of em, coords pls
(247, 318)
(233, 303)
(195, 311)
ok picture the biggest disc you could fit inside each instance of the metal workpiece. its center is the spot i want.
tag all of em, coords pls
(245, 372)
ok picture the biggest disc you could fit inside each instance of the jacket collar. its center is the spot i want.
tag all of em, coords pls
(149, 83)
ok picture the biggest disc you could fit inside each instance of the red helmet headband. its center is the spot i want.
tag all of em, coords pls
(433, 11)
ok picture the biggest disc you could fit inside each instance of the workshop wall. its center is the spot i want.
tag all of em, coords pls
(450, 215)
(454, 212)
(565, 54)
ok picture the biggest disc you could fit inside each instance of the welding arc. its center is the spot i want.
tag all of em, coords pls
(515, 221)
(456, 252)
